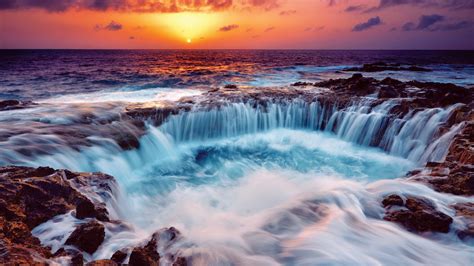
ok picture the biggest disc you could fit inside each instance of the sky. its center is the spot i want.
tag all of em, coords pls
(237, 24)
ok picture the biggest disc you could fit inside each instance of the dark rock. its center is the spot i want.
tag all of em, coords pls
(231, 86)
(86, 209)
(87, 237)
(392, 200)
(119, 256)
(77, 260)
(420, 216)
(147, 255)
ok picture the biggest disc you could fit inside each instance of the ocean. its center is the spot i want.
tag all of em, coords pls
(39, 74)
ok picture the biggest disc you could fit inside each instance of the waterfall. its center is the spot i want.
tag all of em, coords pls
(362, 123)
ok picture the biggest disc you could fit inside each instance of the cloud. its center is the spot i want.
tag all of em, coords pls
(372, 22)
(229, 27)
(356, 8)
(446, 4)
(265, 4)
(435, 23)
(131, 38)
(269, 29)
(287, 12)
(424, 23)
(112, 26)
(156, 6)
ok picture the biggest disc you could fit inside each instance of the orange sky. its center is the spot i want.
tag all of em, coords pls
(244, 24)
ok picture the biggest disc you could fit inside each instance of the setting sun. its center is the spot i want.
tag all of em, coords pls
(191, 25)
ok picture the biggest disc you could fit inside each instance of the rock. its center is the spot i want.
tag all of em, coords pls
(13, 104)
(87, 237)
(392, 200)
(77, 260)
(102, 263)
(419, 215)
(119, 256)
(231, 86)
(31, 196)
(466, 213)
(86, 209)
(147, 255)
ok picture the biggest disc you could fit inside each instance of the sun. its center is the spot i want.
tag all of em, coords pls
(190, 25)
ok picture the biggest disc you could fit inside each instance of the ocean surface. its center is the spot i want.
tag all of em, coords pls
(244, 185)
(38, 74)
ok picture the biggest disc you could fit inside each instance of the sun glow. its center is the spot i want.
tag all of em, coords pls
(189, 25)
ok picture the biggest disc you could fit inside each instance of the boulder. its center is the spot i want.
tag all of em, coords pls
(119, 256)
(87, 237)
(418, 215)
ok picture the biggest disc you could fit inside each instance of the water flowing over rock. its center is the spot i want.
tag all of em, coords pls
(31, 196)
(418, 214)
(430, 124)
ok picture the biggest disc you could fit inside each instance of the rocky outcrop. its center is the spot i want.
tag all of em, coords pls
(87, 237)
(14, 104)
(382, 66)
(31, 196)
(416, 214)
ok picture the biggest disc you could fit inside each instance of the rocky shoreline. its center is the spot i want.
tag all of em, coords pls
(32, 196)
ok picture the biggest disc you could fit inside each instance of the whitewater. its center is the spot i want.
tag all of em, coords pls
(278, 184)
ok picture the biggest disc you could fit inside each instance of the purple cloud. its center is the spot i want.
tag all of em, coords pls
(424, 23)
(229, 27)
(372, 22)
(435, 23)
(112, 26)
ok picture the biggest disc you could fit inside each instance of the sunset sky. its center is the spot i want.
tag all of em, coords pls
(247, 24)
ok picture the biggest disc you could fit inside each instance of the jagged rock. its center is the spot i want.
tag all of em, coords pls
(419, 215)
(119, 256)
(86, 209)
(31, 196)
(147, 255)
(87, 237)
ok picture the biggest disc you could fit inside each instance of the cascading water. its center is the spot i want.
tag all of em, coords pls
(281, 183)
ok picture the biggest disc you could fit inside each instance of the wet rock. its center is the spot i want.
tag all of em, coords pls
(119, 256)
(86, 209)
(102, 263)
(13, 104)
(418, 215)
(31, 196)
(147, 255)
(466, 213)
(231, 86)
(392, 200)
(87, 237)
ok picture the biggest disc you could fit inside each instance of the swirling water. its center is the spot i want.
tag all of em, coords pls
(293, 183)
